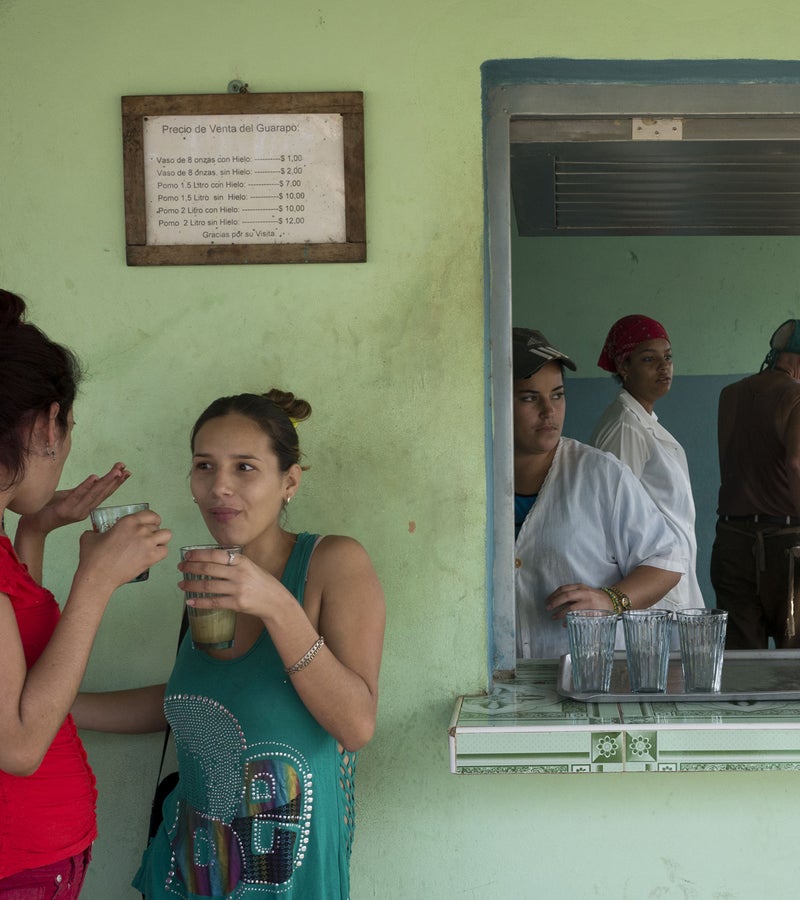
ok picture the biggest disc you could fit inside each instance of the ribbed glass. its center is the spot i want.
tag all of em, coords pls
(647, 638)
(591, 646)
(702, 637)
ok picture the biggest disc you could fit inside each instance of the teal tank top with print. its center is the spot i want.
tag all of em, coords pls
(264, 805)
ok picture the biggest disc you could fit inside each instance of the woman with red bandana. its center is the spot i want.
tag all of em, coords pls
(638, 352)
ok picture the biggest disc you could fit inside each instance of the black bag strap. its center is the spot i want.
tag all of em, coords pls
(181, 633)
(171, 780)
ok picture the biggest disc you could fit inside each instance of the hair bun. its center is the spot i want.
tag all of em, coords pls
(296, 409)
(12, 309)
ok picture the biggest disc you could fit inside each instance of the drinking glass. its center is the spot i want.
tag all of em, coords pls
(591, 634)
(105, 517)
(647, 640)
(210, 628)
(702, 636)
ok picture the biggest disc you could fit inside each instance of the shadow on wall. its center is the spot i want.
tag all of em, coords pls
(689, 412)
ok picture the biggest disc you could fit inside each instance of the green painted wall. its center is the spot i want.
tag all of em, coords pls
(390, 355)
(720, 298)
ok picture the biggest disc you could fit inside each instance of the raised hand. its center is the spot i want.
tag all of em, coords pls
(74, 505)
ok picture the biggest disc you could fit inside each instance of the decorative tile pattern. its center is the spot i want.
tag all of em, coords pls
(525, 726)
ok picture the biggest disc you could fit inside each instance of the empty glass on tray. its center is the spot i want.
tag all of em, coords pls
(647, 639)
(591, 635)
(702, 636)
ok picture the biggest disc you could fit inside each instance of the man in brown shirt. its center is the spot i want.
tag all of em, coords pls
(759, 500)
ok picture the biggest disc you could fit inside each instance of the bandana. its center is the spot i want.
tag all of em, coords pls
(624, 335)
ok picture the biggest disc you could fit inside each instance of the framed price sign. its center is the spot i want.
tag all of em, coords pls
(244, 178)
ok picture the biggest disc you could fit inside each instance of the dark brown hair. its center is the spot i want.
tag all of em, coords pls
(35, 372)
(274, 412)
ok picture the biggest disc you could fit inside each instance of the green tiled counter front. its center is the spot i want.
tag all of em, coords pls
(525, 726)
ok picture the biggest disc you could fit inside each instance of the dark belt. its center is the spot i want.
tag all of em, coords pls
(766, 520)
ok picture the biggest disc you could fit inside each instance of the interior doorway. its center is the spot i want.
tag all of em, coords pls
(763, 101)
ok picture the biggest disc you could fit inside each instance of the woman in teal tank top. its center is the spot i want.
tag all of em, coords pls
(267, 730)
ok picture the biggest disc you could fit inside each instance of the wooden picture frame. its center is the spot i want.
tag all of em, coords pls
(314, 211)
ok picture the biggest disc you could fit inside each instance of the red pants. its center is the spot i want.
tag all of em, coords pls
(59, 881)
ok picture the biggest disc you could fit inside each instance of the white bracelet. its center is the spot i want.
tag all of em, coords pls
(306, 659)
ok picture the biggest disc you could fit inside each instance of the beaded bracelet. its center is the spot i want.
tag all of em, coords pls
(307, 657)
(615, 604)
(619, 600)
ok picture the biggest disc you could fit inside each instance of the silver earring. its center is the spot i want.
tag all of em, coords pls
(194, 499)
(51, 452)
(289, 499)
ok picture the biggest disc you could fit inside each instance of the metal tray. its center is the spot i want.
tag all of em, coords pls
(746, 675)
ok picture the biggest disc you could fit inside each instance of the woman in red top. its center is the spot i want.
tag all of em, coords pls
(47, 790)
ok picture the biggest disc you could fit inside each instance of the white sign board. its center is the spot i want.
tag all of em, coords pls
(244, 179)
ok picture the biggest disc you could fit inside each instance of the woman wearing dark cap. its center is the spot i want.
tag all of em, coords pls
(588, 535)
(638, 352)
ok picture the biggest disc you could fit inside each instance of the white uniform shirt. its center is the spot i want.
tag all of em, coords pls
(636, 437)
(592, 523)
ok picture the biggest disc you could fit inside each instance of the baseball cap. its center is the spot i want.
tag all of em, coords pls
(532, 350)
(786, 338)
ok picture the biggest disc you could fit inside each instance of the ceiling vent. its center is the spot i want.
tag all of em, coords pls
(656, 176)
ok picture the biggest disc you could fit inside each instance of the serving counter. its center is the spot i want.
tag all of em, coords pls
(526, 726)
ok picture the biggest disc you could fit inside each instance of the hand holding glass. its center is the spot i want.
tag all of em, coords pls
(211, 629)
(105, 517)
